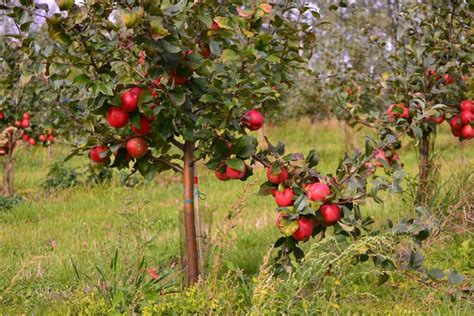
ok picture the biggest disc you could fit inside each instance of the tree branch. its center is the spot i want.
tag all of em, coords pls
(173, 166)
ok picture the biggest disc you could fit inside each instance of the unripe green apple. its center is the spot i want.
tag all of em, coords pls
(65, 4)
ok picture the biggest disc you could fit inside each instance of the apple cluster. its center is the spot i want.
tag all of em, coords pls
(462, 123)
(253, 120)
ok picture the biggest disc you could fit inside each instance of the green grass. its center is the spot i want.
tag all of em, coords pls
(89, 223)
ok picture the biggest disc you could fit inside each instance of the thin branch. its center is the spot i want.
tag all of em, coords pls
(316, 78)
(173, 166)
(177, 143)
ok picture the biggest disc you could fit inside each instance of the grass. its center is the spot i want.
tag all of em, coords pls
(41, 237)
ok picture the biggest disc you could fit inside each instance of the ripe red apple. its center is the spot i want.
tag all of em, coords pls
(51, 138)
(215, 26)
(253, 119)
(130, 100)
(437, 119)
(32, 141)
(467, 106)
(331, 214)
(394, 157)
(401, 107)
(43, 138)
(26, 116)
(467, 132)
(144, 129)
(455, 122)
(318, 191)
(305, 229)
(25, 123)
(448, 79)
(137, 147)
(17, 123)
(234, 173)
(2, 116)
(25, 137)
(221, 173)
(430, 73)
(467, 117)
(380, 155)
(456, 131)
(284, 198)
(98, 154)
(206, 52)
(177, 79)
(279, 177)
(117, 117)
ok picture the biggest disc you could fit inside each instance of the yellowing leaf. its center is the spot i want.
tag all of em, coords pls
(223, 22)
(229, 55)
(248, 33)
(385, 76)
(245, 13)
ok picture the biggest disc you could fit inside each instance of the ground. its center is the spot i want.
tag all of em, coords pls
(53, 237)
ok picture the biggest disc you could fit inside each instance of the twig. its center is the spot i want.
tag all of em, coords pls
(173, 166)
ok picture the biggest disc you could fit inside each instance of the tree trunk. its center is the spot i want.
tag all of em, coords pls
(189, 217)
(424, 171)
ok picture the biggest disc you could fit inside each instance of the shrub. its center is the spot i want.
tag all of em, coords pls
(60, 177)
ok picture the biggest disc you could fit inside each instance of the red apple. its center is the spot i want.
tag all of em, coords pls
(467, 106)
(305, 229)
(177, 79)
(116, 117)
(43, 138)
(18, 123)
(318, 191)
(51, 138)
(394, 157)
(380, 155)
(331, 214)
(405, 111)
(25, 123)
(437, 119)
(32, 141)
(456, 131)
(130, 100)
(221, 174)
(137, 147)
(279, 177)
(2, 116)
(144, 127)
(234, 173)
(206, 52)
(26, 116)
(455, 122)
(448, 79)
(98, 154)
(25, 137)
(253, 119)
(284, 198)
(467, 132)
(466, 117)
(215, 26)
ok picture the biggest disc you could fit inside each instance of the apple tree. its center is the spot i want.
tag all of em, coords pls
(166, 84)
(427, 78)
(24, 97)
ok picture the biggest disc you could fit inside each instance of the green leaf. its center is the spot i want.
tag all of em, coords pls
(245, 146)
(236, 164)
(455, 277)
(313, 158)
(215, 48)
(207, 98)
(82, 79)
(223, 22)
(436, 274)
(171, 48)
(229, 55)
(177, 97)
